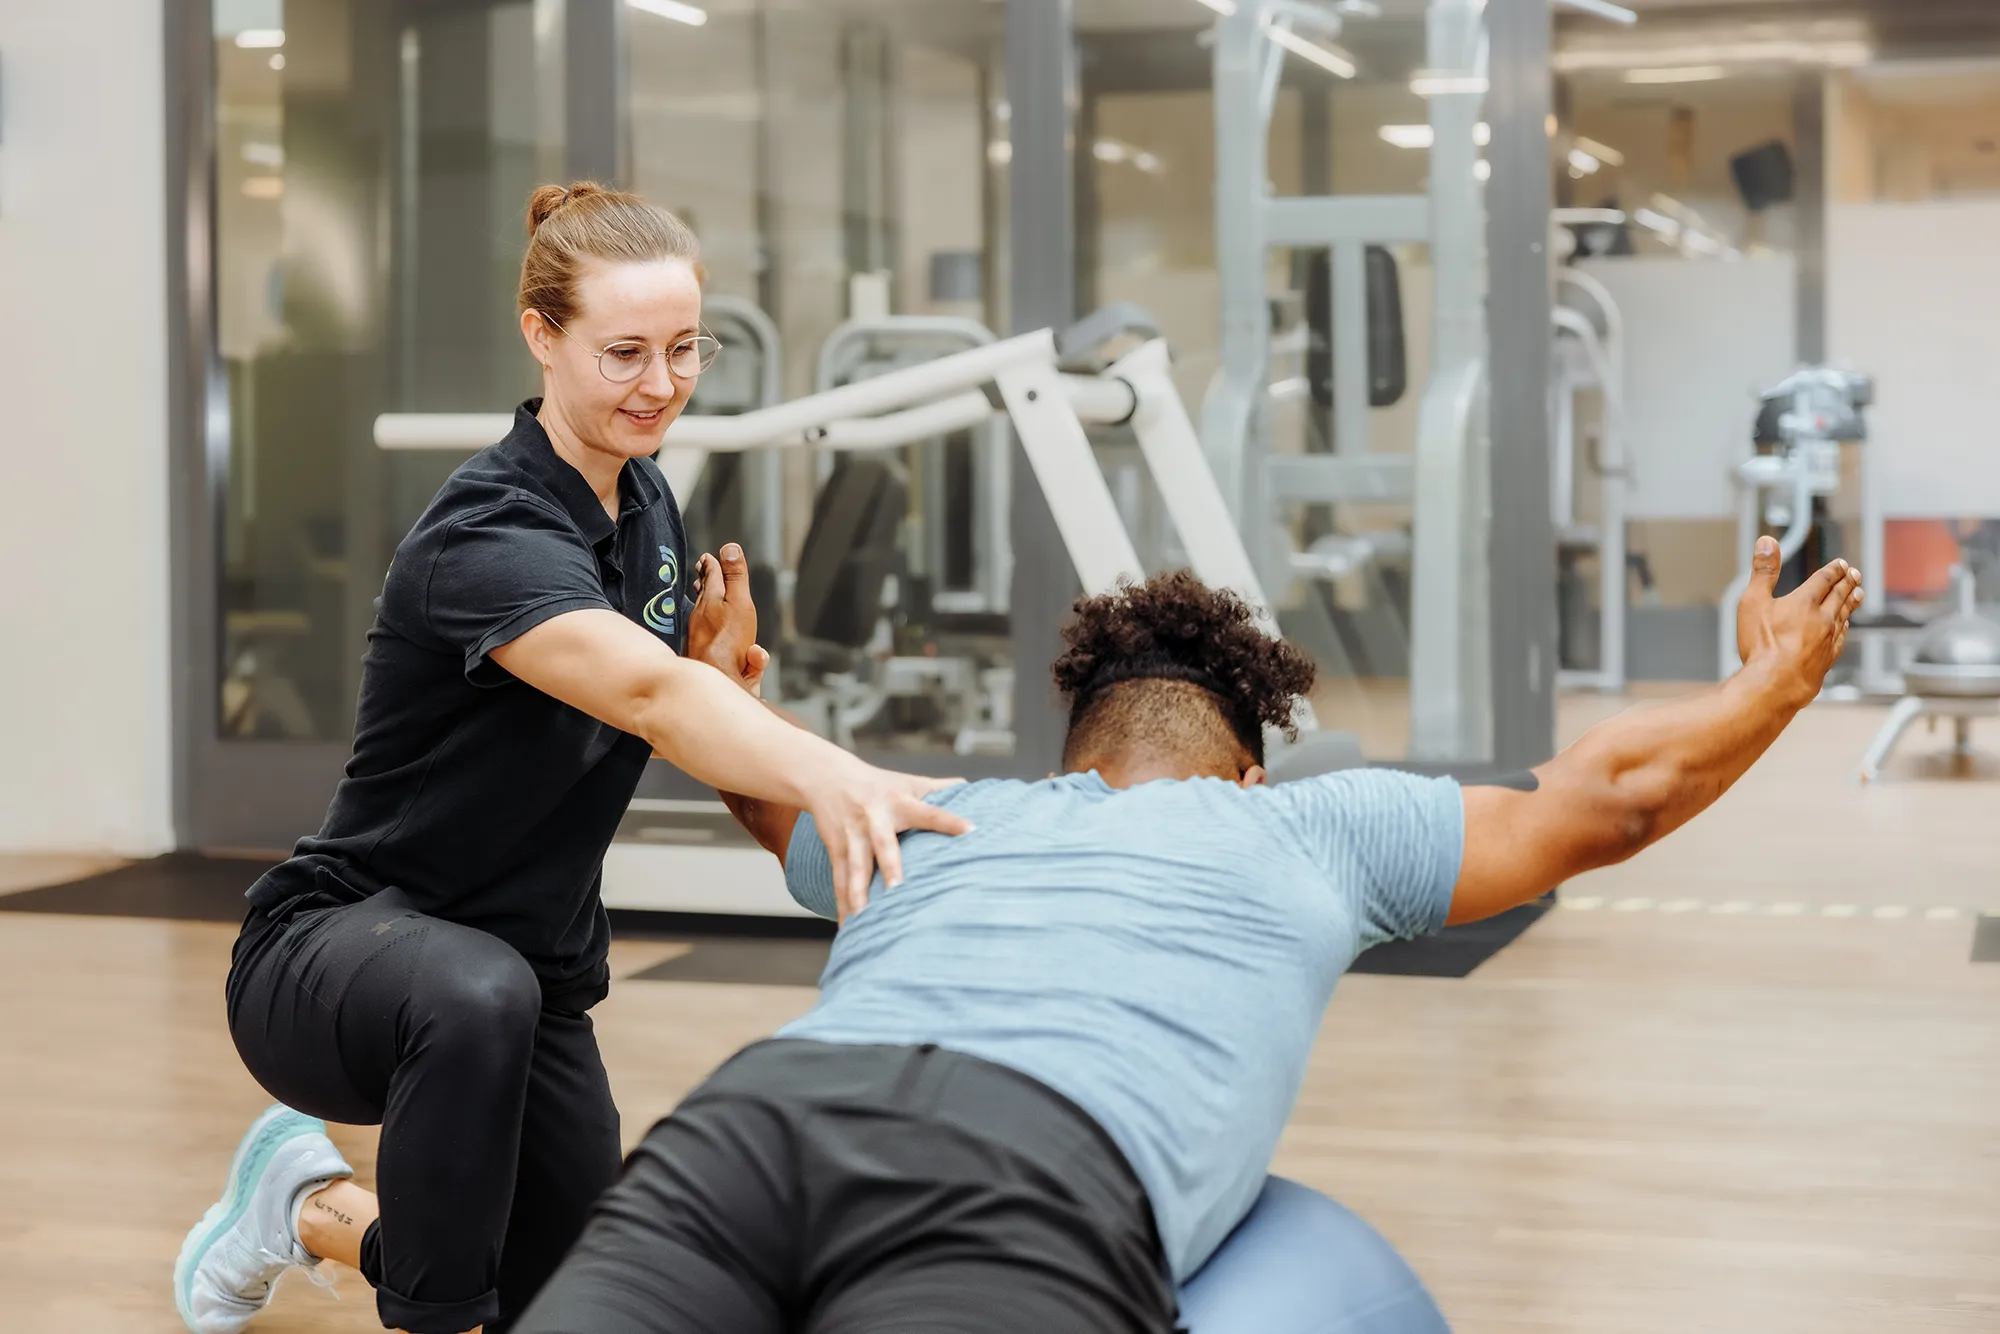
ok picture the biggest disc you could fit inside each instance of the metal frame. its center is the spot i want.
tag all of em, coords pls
(993, 555)
(1048, 411)
(1603, 368)
(1522, 567)
(1040, 46)
(1450, 679)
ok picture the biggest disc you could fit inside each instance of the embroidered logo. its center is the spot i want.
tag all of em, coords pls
(659, 613)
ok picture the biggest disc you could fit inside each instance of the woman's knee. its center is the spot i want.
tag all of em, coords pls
(473, 991)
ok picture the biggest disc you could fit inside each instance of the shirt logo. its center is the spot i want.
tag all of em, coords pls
(659, 613)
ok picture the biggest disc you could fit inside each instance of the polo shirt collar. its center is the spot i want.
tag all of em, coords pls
(537, 456)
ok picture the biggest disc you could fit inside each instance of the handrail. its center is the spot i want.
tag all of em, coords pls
(750, 430)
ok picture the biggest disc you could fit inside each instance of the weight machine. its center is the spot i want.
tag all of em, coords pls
(1048, 410)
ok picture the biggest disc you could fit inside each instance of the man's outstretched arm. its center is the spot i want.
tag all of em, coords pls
(1630, 782)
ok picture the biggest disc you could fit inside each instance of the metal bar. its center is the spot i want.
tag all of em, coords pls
(1348, 273)
(1085, 516)
(1325, 479)
(1305, 220)
(883, 393)
(1040, 49)
(1522, 566)
(1614, 470)
(596, 146)
(1187, 487)
(1809, 214)
(192, 516)
(1232, 415)
(1102, 401)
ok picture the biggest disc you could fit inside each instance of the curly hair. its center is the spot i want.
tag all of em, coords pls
(1174, 628)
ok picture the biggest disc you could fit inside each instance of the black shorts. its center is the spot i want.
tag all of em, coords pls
(832, 1189)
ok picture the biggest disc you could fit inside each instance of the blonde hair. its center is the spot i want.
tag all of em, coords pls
(570, 224)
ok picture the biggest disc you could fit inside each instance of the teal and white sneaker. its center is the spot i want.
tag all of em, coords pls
(231, 1261)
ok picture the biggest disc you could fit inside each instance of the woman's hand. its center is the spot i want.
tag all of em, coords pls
(722, 628)
(859, 810)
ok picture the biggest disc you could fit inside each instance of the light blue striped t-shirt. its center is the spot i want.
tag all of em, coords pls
(1160, 955)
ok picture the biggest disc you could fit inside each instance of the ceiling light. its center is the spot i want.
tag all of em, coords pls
(1604, 9)
(277, 60)
(1429, 83)
(1423, 136)
(263, 187)
(1657, 222)
(1149, 163)
(260, 39)
(1831, 53)
(261, 153)
(1000, 152)
(1676, 74)
(1482, 170)
(1582, 163)
(1604, 153)
(1331, 59)
(691, 15)
(1108, 150)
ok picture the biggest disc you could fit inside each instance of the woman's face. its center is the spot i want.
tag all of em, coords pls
(656, 303)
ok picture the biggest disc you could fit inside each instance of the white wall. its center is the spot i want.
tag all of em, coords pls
(1913, 298)
(1702, 339)
(85, 741)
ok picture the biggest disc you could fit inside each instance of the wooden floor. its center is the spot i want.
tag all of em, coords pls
(1668, 1108)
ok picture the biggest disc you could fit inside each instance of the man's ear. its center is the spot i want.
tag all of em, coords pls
(1254, 776)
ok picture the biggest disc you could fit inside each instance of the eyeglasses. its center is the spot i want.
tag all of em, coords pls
(622, 363)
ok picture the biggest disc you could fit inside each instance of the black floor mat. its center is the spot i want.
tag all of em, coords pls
(1986, 939)
(181, 887)
(767, 951)
(720, 955)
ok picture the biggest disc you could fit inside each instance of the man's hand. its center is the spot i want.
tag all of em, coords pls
(722, 630)
(1796, 638)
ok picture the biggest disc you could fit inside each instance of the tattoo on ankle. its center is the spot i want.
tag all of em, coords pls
(345, 1220)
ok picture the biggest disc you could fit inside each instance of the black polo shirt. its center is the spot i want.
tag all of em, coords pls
(484, 800)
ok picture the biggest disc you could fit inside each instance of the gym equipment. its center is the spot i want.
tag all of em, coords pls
(1590, 356)
(1445, 476)
(1048, 410)
(1801, 424)
(1302, 1264)
(1955, 674)
(741, 496)
(963, 552)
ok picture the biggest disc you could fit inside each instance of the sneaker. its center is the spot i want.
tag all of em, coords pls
(231, 1261)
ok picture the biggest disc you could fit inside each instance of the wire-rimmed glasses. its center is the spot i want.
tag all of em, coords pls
(624, 362)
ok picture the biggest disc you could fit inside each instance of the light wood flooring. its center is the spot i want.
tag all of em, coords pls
(1646, 1116)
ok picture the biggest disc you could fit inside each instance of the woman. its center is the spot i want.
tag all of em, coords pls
(427, 960)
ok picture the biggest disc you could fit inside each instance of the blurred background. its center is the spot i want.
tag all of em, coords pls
(1505, 328)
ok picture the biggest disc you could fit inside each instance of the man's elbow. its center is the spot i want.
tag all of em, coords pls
(1631, 814)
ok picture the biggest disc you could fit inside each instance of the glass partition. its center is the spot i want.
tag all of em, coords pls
(1348, 117)
(373, 158)
(843, 162)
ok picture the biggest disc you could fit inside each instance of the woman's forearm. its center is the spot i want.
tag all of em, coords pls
(709, 728)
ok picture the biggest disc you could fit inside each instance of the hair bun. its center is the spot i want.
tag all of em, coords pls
(548, 198)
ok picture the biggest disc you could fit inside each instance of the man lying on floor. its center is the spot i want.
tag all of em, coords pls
(1047, 1071)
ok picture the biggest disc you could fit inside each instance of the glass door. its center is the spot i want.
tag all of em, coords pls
(370, 164)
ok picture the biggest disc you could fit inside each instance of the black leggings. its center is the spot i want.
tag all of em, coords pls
(498, 1129)
(808, 1188)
